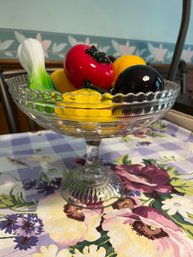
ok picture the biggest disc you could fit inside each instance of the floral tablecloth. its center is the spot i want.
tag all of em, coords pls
(153, 219)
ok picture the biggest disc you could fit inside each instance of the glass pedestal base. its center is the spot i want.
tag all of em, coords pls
(93, 192)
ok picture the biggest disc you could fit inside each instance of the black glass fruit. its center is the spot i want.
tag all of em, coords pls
(138, 78)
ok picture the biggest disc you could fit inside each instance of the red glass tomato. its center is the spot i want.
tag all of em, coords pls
(84, 62)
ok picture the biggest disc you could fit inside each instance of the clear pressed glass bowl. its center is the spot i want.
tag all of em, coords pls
(92, 117)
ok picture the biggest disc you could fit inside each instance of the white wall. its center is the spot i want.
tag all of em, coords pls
(156, 20)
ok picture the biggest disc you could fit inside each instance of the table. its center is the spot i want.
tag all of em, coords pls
(153, 219)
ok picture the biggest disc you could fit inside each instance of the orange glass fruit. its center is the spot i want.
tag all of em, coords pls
(125, 61)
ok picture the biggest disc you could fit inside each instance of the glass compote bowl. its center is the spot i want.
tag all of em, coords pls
(92, 117)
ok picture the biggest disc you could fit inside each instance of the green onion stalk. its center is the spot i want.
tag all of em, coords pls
(32, 59)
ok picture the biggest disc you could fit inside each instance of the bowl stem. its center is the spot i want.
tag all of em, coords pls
(92, 172)
(92, 185)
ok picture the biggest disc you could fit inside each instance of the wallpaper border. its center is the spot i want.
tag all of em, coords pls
(56, 45)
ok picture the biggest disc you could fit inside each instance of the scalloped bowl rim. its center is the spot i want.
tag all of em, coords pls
(171, 88)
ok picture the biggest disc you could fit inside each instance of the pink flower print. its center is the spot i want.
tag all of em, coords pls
(142, 133)
(45, 44)
(66, 224)
(157, 53)
(147, 231)
(187, 55)
(123, 49)
(148, 179)
(87, 42)
(73, 41)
